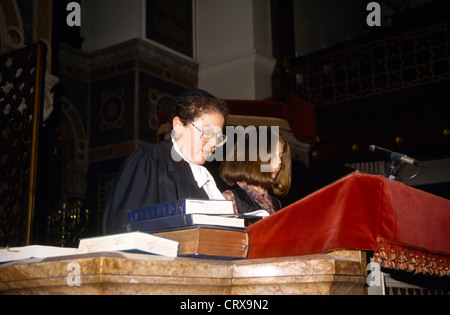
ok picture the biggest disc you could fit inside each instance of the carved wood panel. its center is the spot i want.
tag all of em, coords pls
(21, 85)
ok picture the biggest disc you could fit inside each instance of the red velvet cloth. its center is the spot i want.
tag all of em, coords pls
(408, 229)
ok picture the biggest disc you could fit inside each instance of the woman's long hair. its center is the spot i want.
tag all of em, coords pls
(250, 170)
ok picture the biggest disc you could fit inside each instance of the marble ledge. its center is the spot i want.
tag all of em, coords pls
(120, 273)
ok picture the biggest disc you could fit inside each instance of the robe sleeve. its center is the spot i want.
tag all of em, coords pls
(135, 186)
(148, 177)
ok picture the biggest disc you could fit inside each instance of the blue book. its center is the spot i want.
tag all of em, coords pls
(185, 221)
(181, 207)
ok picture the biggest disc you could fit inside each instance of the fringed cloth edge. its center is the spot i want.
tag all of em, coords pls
(405, 258)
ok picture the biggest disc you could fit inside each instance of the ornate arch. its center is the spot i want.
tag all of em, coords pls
(74, 151)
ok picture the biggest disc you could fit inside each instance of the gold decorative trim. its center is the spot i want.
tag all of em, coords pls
(39, 79)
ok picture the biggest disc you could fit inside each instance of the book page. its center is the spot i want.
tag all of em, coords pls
(209, 206)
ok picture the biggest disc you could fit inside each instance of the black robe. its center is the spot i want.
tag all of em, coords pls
(149, 176)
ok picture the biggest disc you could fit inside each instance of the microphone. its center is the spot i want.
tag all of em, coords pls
(395, 156)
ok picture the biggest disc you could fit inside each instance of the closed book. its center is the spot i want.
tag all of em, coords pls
(178, 207)
(186, 220)
(208, 242)
(130, 242)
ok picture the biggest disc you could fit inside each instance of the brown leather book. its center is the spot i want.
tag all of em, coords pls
(210, 242)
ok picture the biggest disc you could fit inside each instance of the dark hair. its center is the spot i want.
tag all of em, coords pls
(193, 103)
(249, 171)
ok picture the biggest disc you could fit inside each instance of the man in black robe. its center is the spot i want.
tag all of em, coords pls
(152, 175)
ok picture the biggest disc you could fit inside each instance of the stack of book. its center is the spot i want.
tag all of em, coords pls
(203, 228)
(191, 228)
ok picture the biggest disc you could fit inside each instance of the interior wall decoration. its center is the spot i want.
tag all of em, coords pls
(21, 92)
(112, 110)
(158, 102)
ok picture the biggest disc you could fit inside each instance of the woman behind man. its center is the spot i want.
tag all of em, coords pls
(256, 183)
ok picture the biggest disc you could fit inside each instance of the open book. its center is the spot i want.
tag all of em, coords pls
(130, 242)
(255, 214)
(258, 214)
(34, 251)
(250, 217)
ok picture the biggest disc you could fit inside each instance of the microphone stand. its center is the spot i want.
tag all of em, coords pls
(391, 171)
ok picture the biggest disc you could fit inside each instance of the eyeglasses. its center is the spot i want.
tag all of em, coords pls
(209, 134)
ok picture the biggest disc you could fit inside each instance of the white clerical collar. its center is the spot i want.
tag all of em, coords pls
(177, 149)
(201, 175)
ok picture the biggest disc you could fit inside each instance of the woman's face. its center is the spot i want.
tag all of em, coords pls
(191, 139)
(276, 161)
